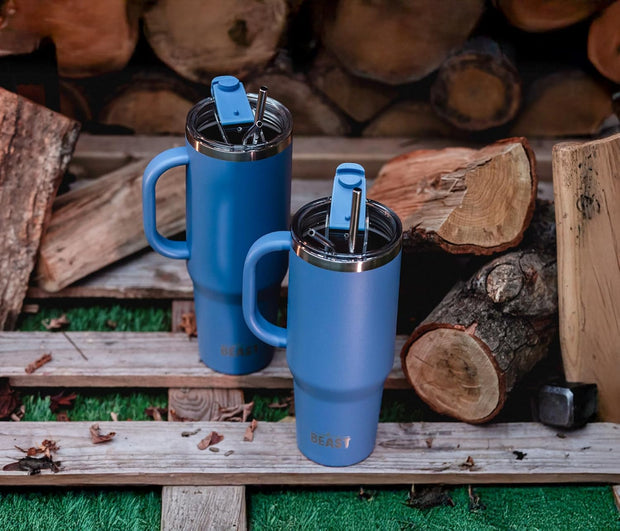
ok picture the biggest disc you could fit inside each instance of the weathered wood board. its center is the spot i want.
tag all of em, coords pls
(135, 359)
(155, 453)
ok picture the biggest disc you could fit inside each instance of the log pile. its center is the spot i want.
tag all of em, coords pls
(349, 67)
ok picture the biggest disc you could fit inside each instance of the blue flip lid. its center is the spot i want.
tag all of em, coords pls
(348, 176)
(231, 101)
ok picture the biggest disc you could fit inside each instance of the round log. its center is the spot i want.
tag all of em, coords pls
(361, 99)
(312, 113)
(396, 42)
(485, 335)
(604, 42)
(567, 103)
(477, 88)
(547, 15)
(151, 103)
(73, 103)
(200, 39)
(409, 119)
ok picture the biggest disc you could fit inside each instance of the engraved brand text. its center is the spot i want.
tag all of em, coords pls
(236, 351)
(330, 441)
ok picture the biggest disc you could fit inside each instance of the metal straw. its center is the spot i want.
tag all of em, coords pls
(355, 218)
(255, 132)
(321, 239)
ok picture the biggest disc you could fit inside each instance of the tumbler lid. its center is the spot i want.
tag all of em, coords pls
(352, 242)
(232, 125)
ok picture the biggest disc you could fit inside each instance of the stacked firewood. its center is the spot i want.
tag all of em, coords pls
(380, 68)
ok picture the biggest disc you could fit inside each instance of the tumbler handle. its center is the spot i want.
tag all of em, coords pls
(170, 158)
(262, 329)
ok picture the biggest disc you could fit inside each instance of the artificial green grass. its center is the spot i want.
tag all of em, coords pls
(522, 508)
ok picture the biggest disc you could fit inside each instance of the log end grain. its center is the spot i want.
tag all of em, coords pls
(604, 42)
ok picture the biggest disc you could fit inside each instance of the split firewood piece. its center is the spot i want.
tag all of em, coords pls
(409, 118)
(90, 38)
(35, 148)
(101, 223)
(604, 42)
(586, 183)
(361, 99)
(396, 42)
(478, 87)
(487, 333)
(547, 15)
(461, 200)
(151, 103)
(201, 39)
(312, 113)
(548, 99)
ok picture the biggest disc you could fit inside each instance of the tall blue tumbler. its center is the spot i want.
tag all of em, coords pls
(238, 161)
(344, 267)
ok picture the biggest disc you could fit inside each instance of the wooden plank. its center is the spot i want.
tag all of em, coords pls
(35, 148)
(587, 203)
(216, 508)
(135, 359)
(156, 453)
(313, 157)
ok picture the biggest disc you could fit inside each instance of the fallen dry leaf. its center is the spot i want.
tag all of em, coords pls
(155, 412)
(46, 358)
(189, 433)
(97, 437)
(428, 497)
(114, 416)
(188, 324)
(62, 417)
(111, 324)
(18, 415)
(238, 413)
(61, 400)
(469, 462)
(288, 402)
(47, 447)
(34, 465)
(210, 440)
(57, 323)
(179, 418)
(474, 501)
(9, 400)
(249, 431)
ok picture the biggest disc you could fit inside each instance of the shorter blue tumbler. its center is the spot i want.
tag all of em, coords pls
(342, 305)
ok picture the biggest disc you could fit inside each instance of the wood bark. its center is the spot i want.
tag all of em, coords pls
(90, 37)
(566, 103)
(488, 332)
(35, 149)
(477, 88)
(587, 195)
(151, 103)
(312, 113)
(201, 39)
(396, 42)
(547, 15)
(604, 42)
(461, 200)
(409, 119)
(361, 99)
(101, 223)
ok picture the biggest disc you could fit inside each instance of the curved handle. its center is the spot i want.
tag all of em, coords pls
(262, 329)
(164, 161)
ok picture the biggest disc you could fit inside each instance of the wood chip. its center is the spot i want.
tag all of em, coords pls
(214, 449)
(113, 416)
(249, 432)
(469, 463)
(97, 437)
(46, 358)
(57, 323)
(230, 452)
(189, 433)
(210, 440)
(188, 324)
(18, 415)
(429, 442)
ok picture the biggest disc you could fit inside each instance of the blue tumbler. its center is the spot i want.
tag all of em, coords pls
(238, 185)
(344, 267)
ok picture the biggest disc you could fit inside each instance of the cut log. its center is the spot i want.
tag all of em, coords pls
(547, 15)
(90, 37)
(199, 39)
(35, 148)
(409, 119)
(604, 42)
(568, 103)
(396, 42)
(461, 200)
(151, 103)
(587, 195)
(312, 113)
(487, 333)
(101, 223)
(477, 88)
(361, 99)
